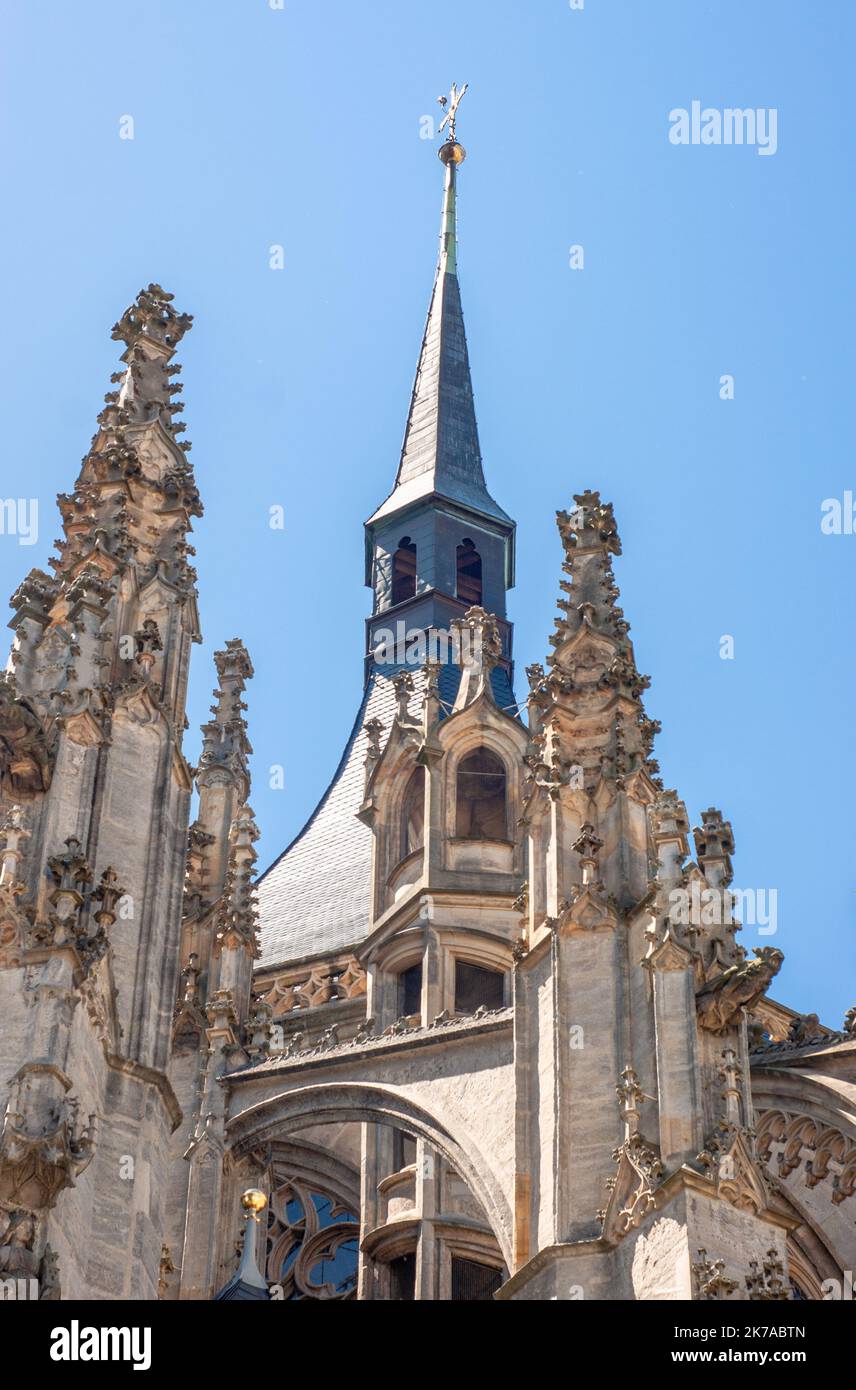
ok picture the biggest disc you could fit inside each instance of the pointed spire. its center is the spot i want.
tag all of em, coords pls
(441, 452)
(225, 745)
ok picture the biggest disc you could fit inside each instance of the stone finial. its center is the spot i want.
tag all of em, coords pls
(588, 846)
(71, 875)
(190, 979)
(766, 1282)
(404, 686)
(731, 1073)
(152, 317)
(233, 663)
(590, 525)
(147, 641)
(373, 729)
(431, 696)
(710, 1280)
(714, 843)
(225, 744)
(630, 1097)
(107, 895)
(259, 1029)
(14, 833)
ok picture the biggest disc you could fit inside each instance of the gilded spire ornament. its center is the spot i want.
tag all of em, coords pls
(450, 105)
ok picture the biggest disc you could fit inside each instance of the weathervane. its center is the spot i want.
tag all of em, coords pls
(452, 101)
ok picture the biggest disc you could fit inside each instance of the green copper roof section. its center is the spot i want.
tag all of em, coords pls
(441, 454)
(449, 225)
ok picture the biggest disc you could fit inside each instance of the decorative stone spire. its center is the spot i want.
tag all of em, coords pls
(593, 678)
(87, 638)
(226, 747)
(219, 940)
(714, 845)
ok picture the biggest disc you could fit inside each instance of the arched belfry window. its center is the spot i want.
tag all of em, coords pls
(469, 573)
(414, 813)
(481, 797)
(404, 571)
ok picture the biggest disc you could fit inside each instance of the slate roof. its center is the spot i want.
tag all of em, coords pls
(441, 453)
(314, 899)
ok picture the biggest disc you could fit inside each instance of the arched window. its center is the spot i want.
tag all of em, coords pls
(469, 573)
(404, 571)
(410, 990)
(481, 797)
(413, 837)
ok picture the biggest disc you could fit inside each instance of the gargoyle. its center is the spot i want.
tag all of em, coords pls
(740, 986)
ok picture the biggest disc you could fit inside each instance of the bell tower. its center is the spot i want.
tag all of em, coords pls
(439, 544)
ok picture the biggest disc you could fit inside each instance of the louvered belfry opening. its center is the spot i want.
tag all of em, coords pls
(469, 573)
(473, 1282)
(404, 571)
(476, 986)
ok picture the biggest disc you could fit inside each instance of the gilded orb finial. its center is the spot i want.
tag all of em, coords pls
(253, 1201)
(450, 151)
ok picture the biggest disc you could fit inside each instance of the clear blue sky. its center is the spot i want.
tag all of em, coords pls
(301, 127)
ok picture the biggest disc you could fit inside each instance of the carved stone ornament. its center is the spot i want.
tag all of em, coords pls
(43, 1145)
(709, 1279)
(35, 1276)
(25, 765)
(766, 1282)
(722, 998)
(632, 1189)
(732, 1163)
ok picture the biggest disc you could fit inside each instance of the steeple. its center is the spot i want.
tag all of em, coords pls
(441, 453)
(440, 511)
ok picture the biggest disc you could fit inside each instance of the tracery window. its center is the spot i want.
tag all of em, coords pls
(481, 797)
(313, 1244)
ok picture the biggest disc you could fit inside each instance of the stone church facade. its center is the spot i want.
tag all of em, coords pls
(484, 1029)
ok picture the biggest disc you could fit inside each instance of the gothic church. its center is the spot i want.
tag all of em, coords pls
(455, 1043)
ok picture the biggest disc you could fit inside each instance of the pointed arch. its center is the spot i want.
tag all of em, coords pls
(469, 573)
(481, 800)
(404, 571)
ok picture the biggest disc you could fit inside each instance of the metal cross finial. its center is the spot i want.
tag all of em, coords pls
(452, 101)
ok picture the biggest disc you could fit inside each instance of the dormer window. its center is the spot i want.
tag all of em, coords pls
(481, 797)
(469, 574)
(404, 571)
